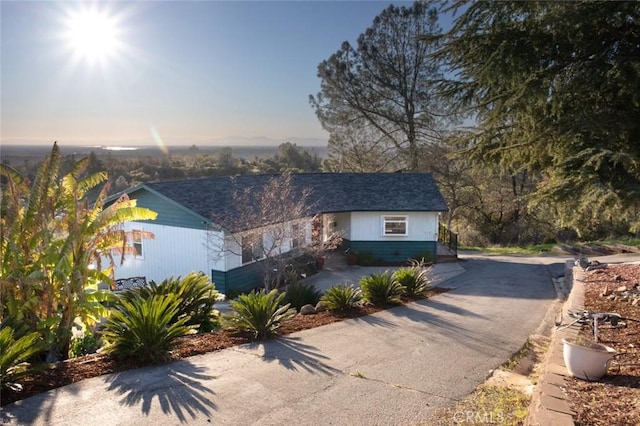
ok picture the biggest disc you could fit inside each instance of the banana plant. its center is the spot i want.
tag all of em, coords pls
(53, 242)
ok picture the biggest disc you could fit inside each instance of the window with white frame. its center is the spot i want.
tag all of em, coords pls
(136, 241)
(395, 225)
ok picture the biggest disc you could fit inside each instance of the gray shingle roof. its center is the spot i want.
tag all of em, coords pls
(331, 192)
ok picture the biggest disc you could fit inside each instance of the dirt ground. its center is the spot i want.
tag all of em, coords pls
(614, 399)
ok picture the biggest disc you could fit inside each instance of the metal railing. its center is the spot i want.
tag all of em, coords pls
(448, 238)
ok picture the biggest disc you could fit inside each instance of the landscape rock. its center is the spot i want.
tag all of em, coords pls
(307, 310)
(320, 307)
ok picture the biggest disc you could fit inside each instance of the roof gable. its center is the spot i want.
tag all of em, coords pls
(170, 212)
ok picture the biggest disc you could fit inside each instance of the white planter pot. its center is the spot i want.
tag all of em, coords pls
(587, 362)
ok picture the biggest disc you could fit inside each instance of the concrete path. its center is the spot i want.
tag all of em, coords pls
(340, 273)
(394, 367)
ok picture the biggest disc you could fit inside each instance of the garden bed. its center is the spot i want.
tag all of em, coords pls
(614, 399)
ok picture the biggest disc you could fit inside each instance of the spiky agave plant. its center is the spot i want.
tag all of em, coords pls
(196, 294)
(342, 297)
(300, 294)
(414, 279)
(260, 312)
(144, 328)
(381, 289)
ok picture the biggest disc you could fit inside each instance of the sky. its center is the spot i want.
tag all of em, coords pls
(118, 73)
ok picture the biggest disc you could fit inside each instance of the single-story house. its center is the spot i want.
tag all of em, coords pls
(392, 216)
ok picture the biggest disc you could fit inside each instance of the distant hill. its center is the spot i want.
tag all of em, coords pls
(18, 154)
(265, 141)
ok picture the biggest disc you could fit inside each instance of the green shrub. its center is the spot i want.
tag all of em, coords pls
(342, 297)
(298, 295)
(196, 296)
(145, 327)
(88, 344)
(381, 289)
(14, 355)
(414, 279)
(260, 312)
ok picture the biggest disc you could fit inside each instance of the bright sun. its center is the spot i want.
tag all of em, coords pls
(92, 35)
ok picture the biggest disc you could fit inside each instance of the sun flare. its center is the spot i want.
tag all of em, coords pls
(92, 35)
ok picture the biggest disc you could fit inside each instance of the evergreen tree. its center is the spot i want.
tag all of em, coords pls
(385, 84)
(555, 90)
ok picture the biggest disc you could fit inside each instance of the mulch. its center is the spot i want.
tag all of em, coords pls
(614, 399)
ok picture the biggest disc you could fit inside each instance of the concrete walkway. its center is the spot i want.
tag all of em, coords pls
(336, 271)
(395, 367)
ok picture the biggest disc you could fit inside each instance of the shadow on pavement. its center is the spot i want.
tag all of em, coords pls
(177, 387)
(292, 354)
(422, 312)
(375, 321)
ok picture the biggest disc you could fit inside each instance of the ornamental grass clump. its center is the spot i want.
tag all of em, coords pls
(144, 327)
(260, 313)
(342, 297)
(414, 279)
(381, 289)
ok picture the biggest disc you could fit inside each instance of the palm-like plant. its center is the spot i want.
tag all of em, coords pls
(144, 328)
(14, 355)
(300, 294)
(414, 279)
(381, 289)
(260, 312)
(196, 295)
(51, 237)
(342, 297)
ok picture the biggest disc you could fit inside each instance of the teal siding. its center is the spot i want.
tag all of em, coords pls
(169, 213)
(396, 251)
(244, 278)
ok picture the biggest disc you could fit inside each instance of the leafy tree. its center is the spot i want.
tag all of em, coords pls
(53, 242)
(386, 82)
(360, 148)
(295, 159)
(554, 87)
(227, 163)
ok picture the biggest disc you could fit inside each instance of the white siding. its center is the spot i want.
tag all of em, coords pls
(343, 224)
(173, 252)
(367, 226)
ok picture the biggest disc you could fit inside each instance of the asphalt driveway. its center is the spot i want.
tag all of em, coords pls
(394, 367)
